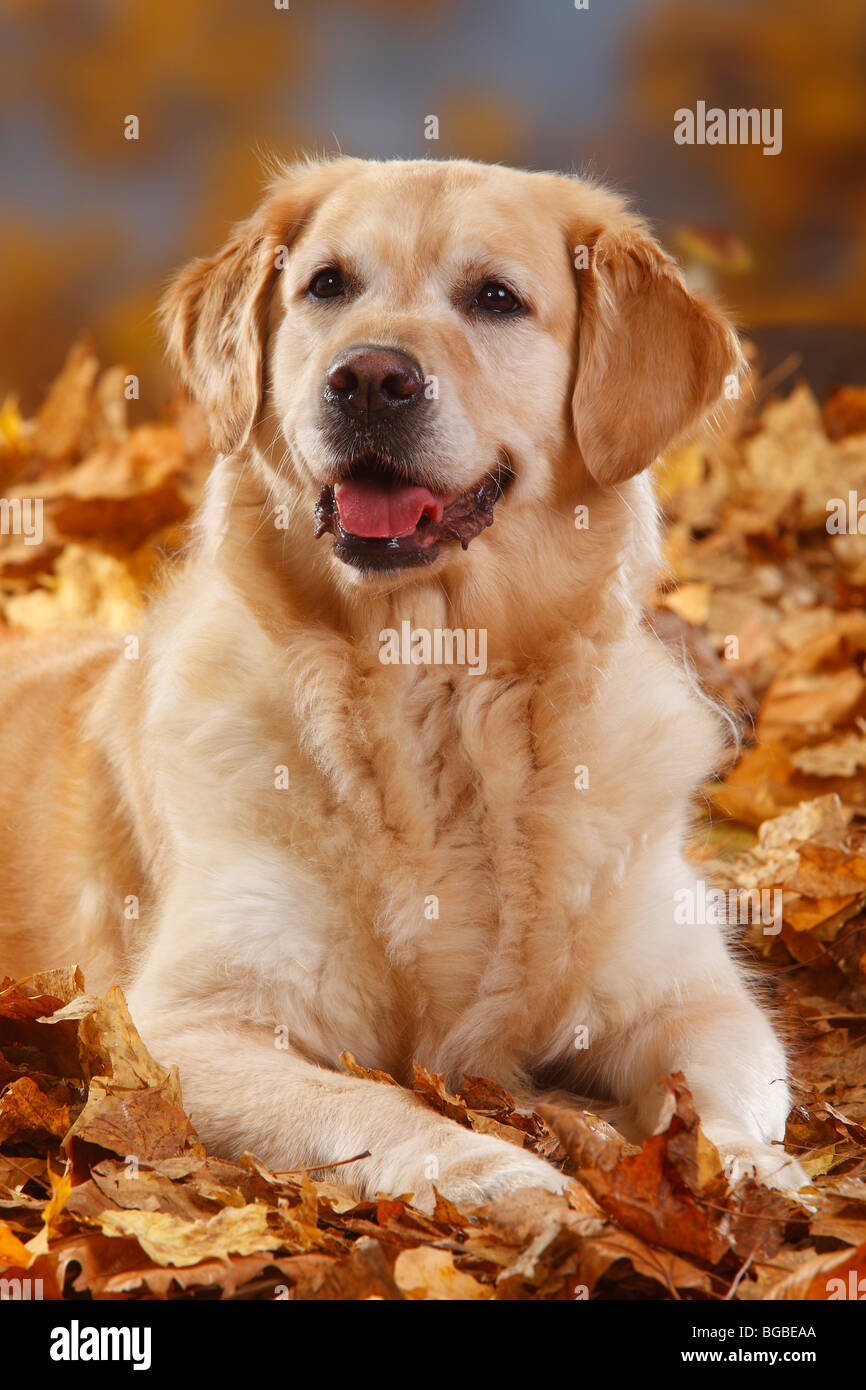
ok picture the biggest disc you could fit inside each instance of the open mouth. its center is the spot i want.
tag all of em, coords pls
(381, 521)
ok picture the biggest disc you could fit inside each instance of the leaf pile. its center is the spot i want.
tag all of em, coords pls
(113, 499)
(105, 1190)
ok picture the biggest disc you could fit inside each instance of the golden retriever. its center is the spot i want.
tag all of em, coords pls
(398, 769)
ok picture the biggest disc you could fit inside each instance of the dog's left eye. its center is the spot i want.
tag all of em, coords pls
(495, 298)
(327, 284)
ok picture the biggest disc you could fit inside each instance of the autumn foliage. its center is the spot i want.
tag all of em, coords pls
(105, 1188)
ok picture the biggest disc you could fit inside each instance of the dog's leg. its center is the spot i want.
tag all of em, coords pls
(242, 1093)
(734, 1066)
(204, 1001)
(670, 998)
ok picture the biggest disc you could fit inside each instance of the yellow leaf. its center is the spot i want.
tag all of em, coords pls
(690, 601)
(679, 469)
(425, 1273)
(169, 1240)
(61, 1186)
(12, 1252)
(87, 587)
(11, 437)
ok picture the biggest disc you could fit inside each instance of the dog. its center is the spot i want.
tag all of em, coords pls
(435, 390)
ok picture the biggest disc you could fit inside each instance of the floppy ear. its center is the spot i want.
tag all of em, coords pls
(652, 358)
(215, 312)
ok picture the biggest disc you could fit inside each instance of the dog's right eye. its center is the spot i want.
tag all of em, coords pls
(327, 284)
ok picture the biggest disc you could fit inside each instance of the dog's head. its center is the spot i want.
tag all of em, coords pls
(425, 346)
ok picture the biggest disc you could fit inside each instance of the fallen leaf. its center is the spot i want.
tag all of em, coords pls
(425, 1273)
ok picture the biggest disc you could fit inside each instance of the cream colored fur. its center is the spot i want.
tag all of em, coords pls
(272, 914)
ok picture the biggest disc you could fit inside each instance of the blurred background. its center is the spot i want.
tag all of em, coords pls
(92, 223)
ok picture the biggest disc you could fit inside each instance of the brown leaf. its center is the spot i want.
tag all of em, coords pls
(127, 521)
(16, 1004)
(663, 1192)
(110, 1043)
(364, 1273)
(844, 412)
(480, 1094)
(147, 1122)
(841, 1274)
(432, 1087)
(602, 1254)
(348, 1063)
(27, 1113)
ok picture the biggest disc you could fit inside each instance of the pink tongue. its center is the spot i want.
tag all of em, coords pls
(375, 509)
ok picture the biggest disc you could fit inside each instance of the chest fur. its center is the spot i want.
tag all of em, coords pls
(460, 839)
(432, 858)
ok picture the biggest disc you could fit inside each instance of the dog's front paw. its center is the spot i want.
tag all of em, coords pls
(770, 1166)
(486, 1172)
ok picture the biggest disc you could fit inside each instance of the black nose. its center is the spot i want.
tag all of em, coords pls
(367, 381)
